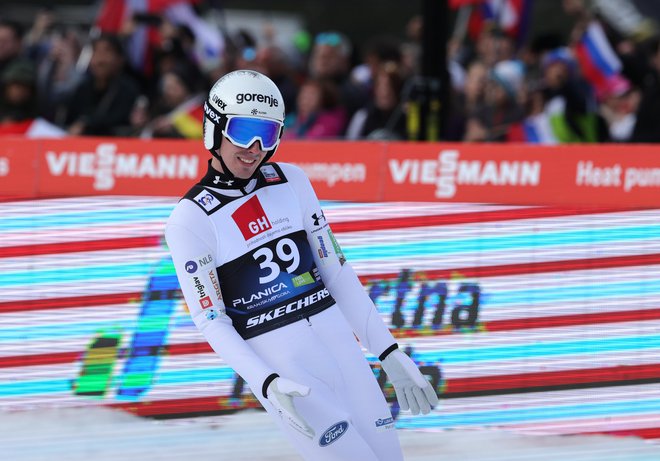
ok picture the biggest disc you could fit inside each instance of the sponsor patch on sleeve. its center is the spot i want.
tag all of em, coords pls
(207, 200)
(383, 424)
(270, 174)
(337, 248)
(201, 291)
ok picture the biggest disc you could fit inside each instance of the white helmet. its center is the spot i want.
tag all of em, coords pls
(244, 94)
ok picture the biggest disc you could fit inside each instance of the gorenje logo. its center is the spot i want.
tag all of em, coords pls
(251, 218)
(448, 171)
(256, 97)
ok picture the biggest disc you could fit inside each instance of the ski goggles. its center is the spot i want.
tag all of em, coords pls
(243, 131)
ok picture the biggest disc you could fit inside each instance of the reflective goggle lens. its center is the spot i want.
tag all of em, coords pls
(243, 131)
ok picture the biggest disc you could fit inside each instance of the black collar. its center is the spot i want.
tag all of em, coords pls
(219, 180)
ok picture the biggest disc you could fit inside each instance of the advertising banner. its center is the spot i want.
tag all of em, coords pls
(18, 166)
(605, 175)
(115, 166)
(600, 175)
(339, 170)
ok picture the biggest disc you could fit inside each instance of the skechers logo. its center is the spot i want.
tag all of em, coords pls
(294, 306)
(333, 433)
(256, 97)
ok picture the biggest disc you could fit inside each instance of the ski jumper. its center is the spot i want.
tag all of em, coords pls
(269, 288)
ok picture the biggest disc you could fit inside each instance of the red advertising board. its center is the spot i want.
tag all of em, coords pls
(593, 175)
(92, 166)
(606, 175)
(18, 164)
(339, 170)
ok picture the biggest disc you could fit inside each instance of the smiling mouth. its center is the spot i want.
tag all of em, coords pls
(247, 161)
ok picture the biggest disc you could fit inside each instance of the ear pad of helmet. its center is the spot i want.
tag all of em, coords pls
(209, 135)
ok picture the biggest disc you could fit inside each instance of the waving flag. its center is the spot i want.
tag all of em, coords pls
(548, 127)
(113, 14)
(598, 61)
(512, 16)
(32, 128)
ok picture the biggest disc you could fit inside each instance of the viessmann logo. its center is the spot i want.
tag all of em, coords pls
(448, 172)
(105, 164)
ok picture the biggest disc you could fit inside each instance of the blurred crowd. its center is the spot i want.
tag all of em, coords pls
(59, 80)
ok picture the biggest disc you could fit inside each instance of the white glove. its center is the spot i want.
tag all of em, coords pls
(280, 393)
(413, 391)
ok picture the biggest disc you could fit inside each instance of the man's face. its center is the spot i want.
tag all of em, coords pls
(327, 61)
(10, 45)
(241, 162)
(105, 61)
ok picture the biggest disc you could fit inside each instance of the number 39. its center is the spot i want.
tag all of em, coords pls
(286, 251)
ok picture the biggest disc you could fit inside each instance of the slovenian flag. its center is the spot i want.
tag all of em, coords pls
(548, 127)
(145, 38)
(599, 63)
(511, 16)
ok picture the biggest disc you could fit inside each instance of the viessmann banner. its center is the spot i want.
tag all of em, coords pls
(601, 175)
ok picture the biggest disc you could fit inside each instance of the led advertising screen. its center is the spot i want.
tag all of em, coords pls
(533, 319)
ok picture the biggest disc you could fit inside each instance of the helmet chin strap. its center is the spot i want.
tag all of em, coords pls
(228, 180)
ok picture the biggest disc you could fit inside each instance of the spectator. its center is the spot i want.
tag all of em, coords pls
(619, 111)
(330, 58)
(171, 55)
(37, 40)
(493, 46)
(383, 117)
(18, 105)
(11, 36)
(467, 101)
(319, 115)
(19, 100)
(57, 75)
(648, 112)
(377, 51)
(101, 103)
(274, 62)
(502, 106)
(178, 113)
(564, 89)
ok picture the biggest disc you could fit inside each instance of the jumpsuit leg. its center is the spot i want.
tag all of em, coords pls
(322, 353)
(358, 388)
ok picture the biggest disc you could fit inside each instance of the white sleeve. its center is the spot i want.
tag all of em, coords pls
(339, 277)
(194, 256)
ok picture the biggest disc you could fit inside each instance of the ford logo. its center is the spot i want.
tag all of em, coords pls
(333, 433)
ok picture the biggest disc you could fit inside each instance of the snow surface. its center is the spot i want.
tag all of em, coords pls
(100, 434)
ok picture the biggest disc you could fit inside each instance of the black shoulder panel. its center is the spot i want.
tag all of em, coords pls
(210, 201)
